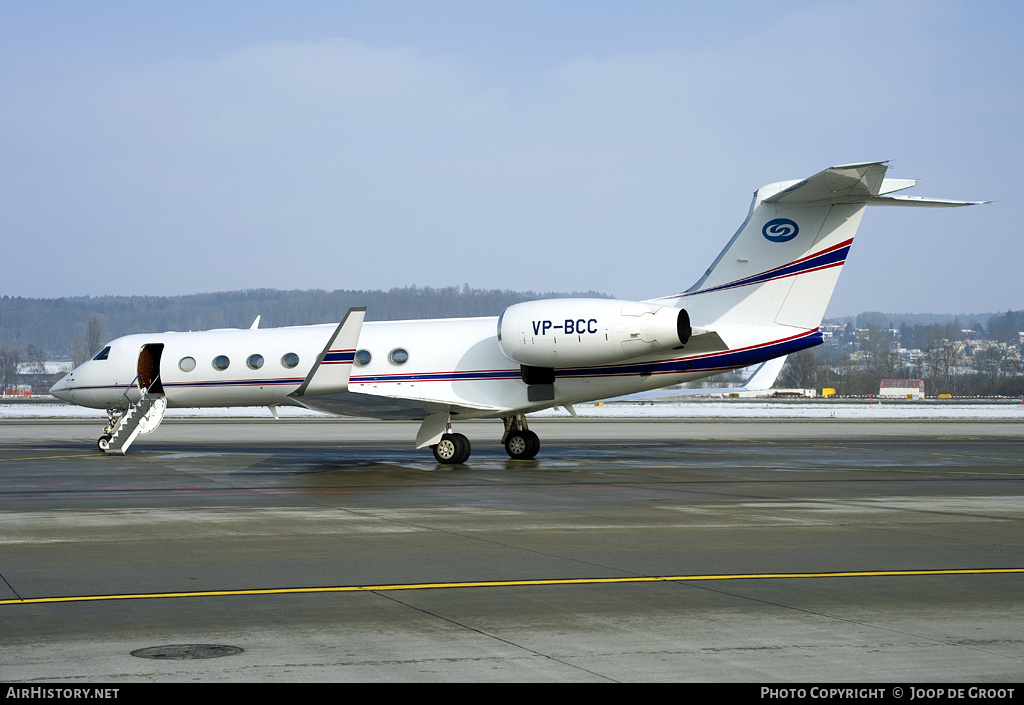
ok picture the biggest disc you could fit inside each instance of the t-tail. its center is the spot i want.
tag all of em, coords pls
(774, 279)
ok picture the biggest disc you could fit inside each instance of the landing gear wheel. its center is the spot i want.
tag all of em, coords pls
(104, 442)
(453, 449)
(522, 445)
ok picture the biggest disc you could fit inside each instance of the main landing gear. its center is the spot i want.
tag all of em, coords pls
(520, 443)
(452, 449)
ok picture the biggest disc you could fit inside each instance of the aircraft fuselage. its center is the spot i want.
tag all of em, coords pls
(447, 361)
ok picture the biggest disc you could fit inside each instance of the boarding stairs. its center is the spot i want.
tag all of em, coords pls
(142, 417)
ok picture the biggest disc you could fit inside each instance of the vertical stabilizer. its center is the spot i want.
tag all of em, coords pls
(782, 265)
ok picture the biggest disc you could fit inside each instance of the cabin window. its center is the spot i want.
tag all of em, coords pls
(363, 357)
(290, 360)
(102, 354)
(254, 362)
(221, 362)
(187, 364)
(398, 356)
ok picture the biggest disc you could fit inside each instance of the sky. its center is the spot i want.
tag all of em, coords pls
(177, 148)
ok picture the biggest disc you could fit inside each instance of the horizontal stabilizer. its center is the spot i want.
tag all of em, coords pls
(857, 183)
(330, 373)
(921, 202)
(849, 183)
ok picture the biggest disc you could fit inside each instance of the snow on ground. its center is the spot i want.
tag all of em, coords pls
(66, 411)
(796, 410)
(849, 409)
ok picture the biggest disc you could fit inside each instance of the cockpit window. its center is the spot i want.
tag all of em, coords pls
(102, 354)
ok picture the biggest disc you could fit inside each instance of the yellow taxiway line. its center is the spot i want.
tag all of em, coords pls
(513, 583)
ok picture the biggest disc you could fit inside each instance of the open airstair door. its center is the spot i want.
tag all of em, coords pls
(149, 367)
(144, 415)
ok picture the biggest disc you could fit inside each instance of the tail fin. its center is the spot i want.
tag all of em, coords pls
(782, 265)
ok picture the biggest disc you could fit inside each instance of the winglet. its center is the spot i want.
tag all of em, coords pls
(333, 366)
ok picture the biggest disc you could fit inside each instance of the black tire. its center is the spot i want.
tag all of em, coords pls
(103, 442)
(522, 445)
(453, 449)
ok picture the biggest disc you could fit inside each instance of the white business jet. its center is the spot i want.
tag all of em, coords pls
(761, 299)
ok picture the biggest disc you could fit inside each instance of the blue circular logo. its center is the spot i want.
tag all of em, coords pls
(780, 230)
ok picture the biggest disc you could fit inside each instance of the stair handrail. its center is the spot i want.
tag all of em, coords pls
(142, 390)
(124, 394)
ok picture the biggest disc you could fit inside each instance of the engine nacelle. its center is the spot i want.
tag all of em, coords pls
(581, 332)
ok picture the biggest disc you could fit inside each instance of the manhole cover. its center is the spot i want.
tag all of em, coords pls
(186, 651)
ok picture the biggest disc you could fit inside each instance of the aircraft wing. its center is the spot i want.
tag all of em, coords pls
(763, 377)
(382, 407)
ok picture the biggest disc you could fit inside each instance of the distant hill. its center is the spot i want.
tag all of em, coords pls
(52, 325)
(882, 320)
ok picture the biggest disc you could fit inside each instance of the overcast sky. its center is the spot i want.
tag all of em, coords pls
(175, 148)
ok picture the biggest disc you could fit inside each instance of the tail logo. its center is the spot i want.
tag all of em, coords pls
(780, 230)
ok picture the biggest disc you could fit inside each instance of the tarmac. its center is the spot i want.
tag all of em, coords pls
(763, 551)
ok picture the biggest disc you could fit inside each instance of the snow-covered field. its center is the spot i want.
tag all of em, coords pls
(58, 410)
(896, 409)
(798, 410)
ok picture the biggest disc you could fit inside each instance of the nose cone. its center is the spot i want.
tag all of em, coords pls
(62, 390)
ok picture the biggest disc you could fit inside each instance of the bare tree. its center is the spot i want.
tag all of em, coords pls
(10, 357)
(36, 360)
(86, 347)
(941, 359)
(879, 356)
(801, 370)
(94, 334)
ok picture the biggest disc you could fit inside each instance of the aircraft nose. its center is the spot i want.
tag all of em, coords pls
(62, 389)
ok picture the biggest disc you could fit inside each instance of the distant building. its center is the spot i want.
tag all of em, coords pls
(903, 388)
(38, 378)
